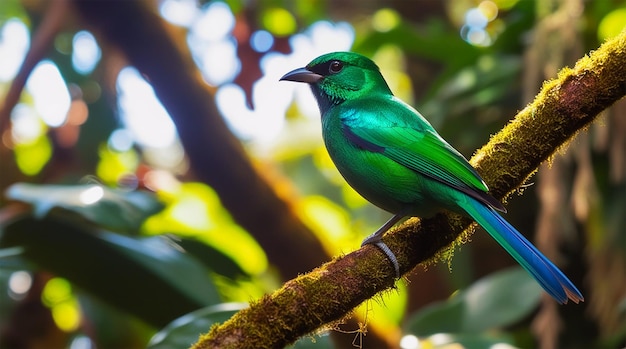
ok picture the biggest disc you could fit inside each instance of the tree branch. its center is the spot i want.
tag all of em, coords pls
(42, 40)
(303, 305)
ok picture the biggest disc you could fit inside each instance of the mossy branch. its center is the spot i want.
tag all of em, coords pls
(305, 304)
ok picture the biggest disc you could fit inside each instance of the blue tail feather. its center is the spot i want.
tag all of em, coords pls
(527, 255)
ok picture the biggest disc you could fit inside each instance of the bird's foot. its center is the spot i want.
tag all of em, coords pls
(376, 240)
(387, 251)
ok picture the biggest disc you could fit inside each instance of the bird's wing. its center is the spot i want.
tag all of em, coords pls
(399, 132)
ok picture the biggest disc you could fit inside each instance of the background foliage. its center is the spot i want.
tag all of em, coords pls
(113, 245)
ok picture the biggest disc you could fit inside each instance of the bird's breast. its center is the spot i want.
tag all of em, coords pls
(380, 180)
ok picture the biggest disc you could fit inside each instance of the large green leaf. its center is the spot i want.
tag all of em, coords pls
(185, 330)
(439, 317)
(113, 209)
(314, 342)
(11, 259)
(212, 258)
(495, 301)
(148, 277)
(500, 300)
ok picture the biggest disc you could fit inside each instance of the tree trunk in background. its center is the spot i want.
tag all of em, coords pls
(557, 42)
(216, 156)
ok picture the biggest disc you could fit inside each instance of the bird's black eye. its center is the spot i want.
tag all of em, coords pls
(335, 67)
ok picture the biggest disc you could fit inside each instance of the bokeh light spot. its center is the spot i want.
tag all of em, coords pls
(271, 98)
(26, 125)
(261, 41)
(476, 36)
(279, 21)
(179, 12)
(66, 316)
(612, 24)
(14, 43)
(489, 9)
(385, 19)
(215, 23)
(441, 339)
(81, 342)
(31, 157)
(85, 53)
(19, 283)
(475, 18)
(115, 165)
(481, 26)
(57, 290)
(409, 342)
(220, 63)
(143, 114)
(91, 195)
(120, 140)
(51, 96)
(212, 45)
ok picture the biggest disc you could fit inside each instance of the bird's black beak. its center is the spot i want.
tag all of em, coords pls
(302, 75)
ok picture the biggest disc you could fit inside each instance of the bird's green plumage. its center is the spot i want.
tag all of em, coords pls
(401, 134)
(392, 156)
(359, 112)
(405, 159)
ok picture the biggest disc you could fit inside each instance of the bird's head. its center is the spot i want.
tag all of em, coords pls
(340, 76)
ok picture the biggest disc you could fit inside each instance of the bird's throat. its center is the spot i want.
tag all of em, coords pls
(324, 101)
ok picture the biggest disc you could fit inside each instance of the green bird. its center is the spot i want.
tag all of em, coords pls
(389, 153)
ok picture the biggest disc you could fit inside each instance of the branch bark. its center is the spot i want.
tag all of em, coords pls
(303, 305)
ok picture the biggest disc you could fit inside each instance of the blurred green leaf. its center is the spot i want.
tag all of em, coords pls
(113, 209)
(7, 303)
(500, 300)
(110, 327)
(212, 258)
(495, 301)
(479, 85)
(434, 41)
(439, 317)
(314, 342)
(148, 277)
(185, 330)
(12, 258)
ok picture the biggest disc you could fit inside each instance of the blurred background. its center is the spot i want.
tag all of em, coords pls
(152, 167)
